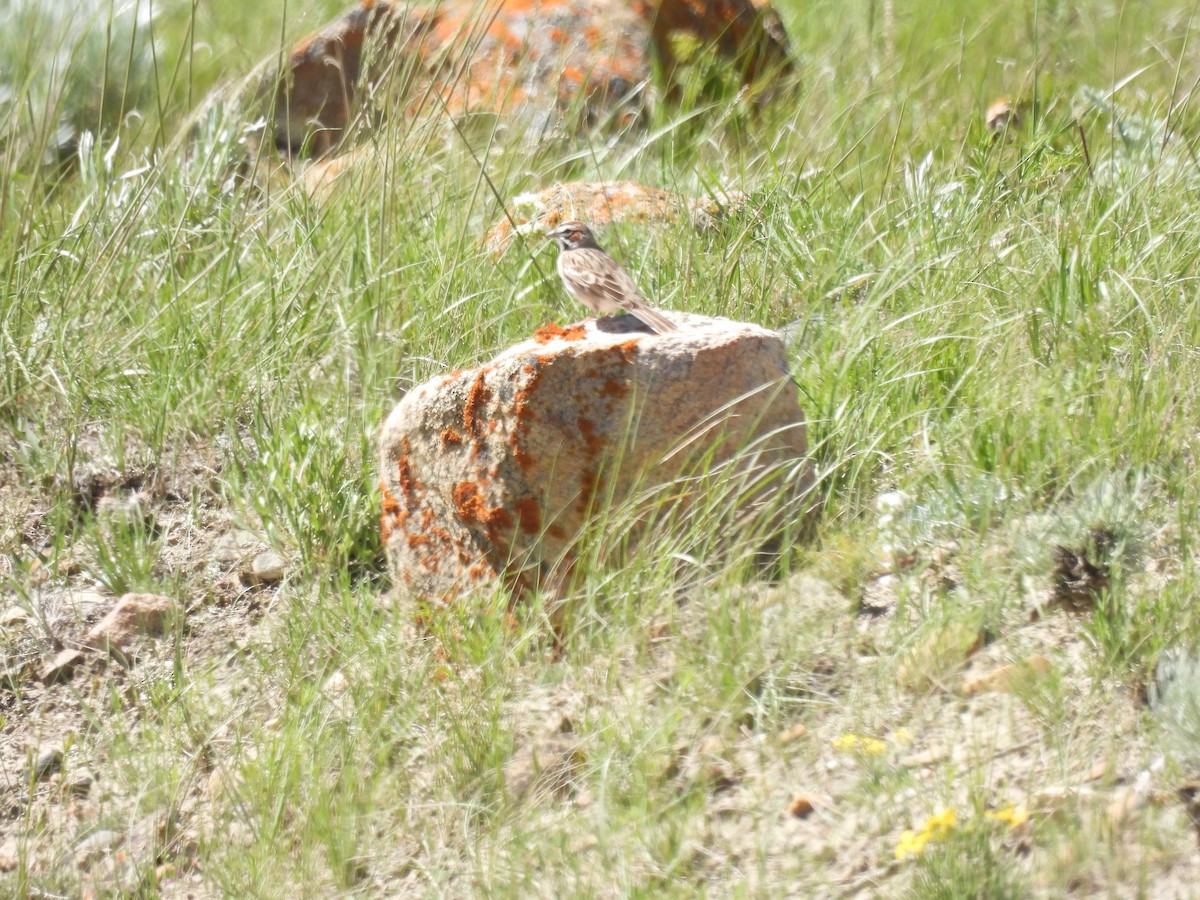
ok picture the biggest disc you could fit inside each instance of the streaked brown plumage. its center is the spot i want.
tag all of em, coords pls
(597, 280)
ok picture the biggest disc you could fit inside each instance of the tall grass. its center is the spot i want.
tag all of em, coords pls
(1000, 331)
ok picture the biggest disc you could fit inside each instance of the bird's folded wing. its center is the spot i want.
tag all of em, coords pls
(599, 276)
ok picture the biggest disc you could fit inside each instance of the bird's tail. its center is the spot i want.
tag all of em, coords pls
(657, 321)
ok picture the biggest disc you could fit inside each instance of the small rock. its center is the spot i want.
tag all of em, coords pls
(337, 690)
(923, 758)
(132, 614)
(792, 734)
(95, 845)
(80, 783)
(63, 666)
(1006, 678)
(14, 617)
(336, 684)
(49, 761)
(267, 568)
(801, 806)
(10, 855)
(1003, 115)
(81, 603)
(235, 546)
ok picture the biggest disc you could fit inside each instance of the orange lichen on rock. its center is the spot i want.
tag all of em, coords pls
(524, 416)
(529, 515)
(471, 509)
(592, 442)
(614, 389)
(477, 399)
(480, 570)
(604, 202)
(586, 58)
(553, 332)
(391, 511)
(539, 427)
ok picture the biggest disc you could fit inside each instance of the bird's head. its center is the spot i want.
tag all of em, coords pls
(572, 236)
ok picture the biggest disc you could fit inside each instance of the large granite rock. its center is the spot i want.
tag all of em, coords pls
(495, 472)
(545, 57)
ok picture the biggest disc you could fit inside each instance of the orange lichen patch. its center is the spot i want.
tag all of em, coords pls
(598, 203)
(524, 416)
(479, 571)
(529, 515)
(450, 436)
(556, 531)
(627, 349)
(518, 53)
(613, 388)
(408, 482)
(416, 540)
(553, 332)
(391, 515)
(477, 399)
(472, 509)
(592, 442)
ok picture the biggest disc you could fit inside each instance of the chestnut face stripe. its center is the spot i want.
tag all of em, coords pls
(597, 280)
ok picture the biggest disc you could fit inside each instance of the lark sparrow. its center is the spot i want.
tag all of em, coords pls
(598, 280)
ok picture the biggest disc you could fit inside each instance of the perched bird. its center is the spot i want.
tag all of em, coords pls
(598, 280)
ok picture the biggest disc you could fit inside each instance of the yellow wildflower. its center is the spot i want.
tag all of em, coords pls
(845, 742)
(868, 746)
(911, 843)
(941, 824)
(1014, 816)
(936, 827)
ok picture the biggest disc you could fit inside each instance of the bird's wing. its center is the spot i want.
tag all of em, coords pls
(603, 277)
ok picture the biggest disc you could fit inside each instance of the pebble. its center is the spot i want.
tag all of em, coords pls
(49, 761)
(132, 614)
(83, 602)
(794, 733)
(14, 617)
(63, 666)
(235, 546)
(267, 568)
(80, 783)
(95, 845)
(801, 806)
(10, 855)
(1006, 678)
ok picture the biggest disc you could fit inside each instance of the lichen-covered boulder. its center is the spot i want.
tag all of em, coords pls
(494, 473)
(605, 202)
(545, 57)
